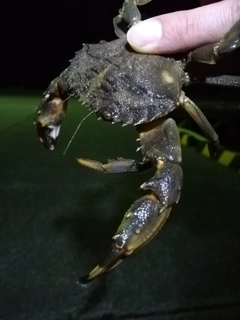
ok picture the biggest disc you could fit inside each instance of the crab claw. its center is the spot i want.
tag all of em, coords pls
(114, 258)
(50, 114)
(140, 224)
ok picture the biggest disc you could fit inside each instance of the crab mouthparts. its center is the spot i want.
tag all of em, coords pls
(48, 135)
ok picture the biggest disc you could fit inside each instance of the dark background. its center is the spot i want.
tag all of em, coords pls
(38, 38)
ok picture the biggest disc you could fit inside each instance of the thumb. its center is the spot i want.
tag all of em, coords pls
(184, 30)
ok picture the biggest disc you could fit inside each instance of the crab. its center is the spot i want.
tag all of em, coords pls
(122, 86)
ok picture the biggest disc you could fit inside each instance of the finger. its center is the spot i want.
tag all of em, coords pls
(184, 30)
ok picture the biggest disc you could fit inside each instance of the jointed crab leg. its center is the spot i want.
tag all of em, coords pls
(128, 16)
(193, 110)
(116, 166)
(160, 144)
(210, 53)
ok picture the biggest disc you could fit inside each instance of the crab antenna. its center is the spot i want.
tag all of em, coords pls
(75, 132)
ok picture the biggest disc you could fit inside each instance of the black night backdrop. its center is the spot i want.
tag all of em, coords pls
(57, 218)
(38, 38)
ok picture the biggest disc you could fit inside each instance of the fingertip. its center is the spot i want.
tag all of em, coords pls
(144, 36)
(182, 31)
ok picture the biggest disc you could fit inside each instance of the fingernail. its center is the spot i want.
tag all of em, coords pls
(144, 34)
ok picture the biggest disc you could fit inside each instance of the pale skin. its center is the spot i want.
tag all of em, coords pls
(184, 30)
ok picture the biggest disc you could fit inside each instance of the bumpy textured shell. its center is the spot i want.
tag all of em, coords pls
(123, 86)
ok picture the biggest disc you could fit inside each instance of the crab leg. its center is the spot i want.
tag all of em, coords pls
(128, 16)
(116, 166)
(160, 143)
(210, 53)
(193, 110)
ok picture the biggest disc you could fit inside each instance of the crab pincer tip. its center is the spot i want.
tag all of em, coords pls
(83, 281)
(115, 256)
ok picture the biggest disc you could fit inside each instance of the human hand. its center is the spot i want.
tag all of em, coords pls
(184, 30)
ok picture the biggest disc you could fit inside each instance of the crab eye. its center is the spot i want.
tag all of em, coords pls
(107, 115)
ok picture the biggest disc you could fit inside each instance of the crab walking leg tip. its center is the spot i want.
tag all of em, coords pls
(115, 166)
(83, 281)
(90, 276)
(92, 164)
